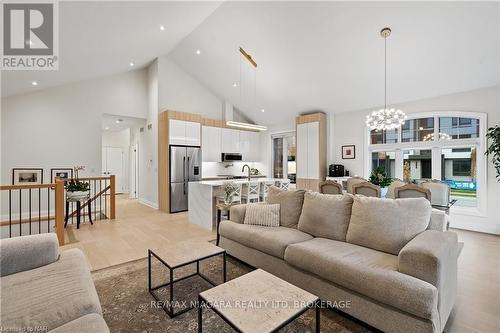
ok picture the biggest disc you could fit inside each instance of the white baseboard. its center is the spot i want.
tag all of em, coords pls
(148, 203)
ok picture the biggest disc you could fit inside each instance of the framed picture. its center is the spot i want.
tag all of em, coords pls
(23, 176)
(63, 173)
(348, 152)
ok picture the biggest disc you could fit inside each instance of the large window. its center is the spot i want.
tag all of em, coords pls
(444, 145)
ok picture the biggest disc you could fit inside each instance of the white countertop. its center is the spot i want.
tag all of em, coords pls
(236, 181)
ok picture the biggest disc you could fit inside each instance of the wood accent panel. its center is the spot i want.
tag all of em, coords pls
(320, 117)
(59, 211)
(112, 199)
(163, 158)
(183, 116)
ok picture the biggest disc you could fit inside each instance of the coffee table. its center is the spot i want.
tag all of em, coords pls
(180, 255)
(257, 302)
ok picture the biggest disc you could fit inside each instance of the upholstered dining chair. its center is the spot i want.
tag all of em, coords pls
(367, 189)
(412, 191)
(440, 192)
(353, 180)
(390, 190)
(330, 187)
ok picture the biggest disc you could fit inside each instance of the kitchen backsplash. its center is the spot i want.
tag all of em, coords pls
(213, 169)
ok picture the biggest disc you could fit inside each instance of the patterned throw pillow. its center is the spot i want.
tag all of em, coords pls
(267, 215)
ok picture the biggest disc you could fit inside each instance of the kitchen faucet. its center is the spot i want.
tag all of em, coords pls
(243, 170)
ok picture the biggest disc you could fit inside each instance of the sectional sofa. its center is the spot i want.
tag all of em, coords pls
(389, 263)
(43, 290)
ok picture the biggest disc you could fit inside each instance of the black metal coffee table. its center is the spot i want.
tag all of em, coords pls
(177, 256)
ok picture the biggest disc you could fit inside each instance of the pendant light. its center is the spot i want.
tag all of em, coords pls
(385, 119)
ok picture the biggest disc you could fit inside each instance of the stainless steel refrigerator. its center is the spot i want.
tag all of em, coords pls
(185, 167)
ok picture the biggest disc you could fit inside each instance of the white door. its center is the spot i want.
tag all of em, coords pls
(113, 165)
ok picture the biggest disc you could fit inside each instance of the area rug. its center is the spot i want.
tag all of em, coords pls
(129, 307)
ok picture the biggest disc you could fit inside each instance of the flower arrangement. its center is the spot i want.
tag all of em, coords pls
(229, 189)
(76, 185)
(378, 177)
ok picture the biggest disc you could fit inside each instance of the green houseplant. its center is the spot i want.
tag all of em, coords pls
(493, 149)
(379, 177)
(77, 189)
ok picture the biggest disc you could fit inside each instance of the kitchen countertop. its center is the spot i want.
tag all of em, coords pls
(236, 177)
(237, 181)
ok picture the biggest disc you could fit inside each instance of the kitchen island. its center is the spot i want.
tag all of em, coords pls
(202, 200)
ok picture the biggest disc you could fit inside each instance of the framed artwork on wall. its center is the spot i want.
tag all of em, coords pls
(348, 152)
(27, 176)
(63, 173)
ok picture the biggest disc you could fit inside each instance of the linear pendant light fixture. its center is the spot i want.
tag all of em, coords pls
(385, 119)
(237, 124)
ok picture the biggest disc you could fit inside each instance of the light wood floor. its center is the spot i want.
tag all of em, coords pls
(139, 227)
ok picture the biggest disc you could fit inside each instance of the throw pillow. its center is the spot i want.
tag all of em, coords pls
(326, 215)
(265, 215)
(290, 205)
(387, 224)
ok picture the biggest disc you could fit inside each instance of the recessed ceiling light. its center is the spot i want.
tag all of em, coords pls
(106, 128)
(162, 27)
(118, 121)
(235, 85)
(34, 83)
(198, 52)
(262, 110)
(131, 64)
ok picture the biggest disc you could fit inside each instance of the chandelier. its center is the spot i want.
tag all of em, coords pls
(385, 119)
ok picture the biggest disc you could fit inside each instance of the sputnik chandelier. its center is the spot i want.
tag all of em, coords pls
(385, 119)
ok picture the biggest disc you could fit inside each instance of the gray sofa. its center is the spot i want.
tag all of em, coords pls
(44, 290)
(389, 263)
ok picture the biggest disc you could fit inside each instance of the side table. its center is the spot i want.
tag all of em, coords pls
(78, 209)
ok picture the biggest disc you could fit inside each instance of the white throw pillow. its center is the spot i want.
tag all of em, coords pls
(267, 215)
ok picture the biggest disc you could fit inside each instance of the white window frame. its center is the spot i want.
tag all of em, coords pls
(436, 146)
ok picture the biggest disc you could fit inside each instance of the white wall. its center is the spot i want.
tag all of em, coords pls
(349, 127)
(178, 91)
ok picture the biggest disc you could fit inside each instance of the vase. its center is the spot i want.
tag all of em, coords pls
(228, 199)
(383, 191)
(77, 195)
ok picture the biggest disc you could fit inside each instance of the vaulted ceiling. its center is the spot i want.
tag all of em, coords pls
(329, 55)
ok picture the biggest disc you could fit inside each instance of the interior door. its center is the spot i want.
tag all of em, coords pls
(114, 166)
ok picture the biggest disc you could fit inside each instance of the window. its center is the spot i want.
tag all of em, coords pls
(421, 129)
(443, 145)
(386, 160)
(459, 128)
(459, 171)
(417, 165)
(284, 152)
(378, 137)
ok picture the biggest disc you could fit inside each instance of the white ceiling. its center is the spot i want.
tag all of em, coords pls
(102, 38)
(329, 55)
(114, 123)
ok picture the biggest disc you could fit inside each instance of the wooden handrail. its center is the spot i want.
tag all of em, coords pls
(26, 186)
(59, 211)
(91, 178)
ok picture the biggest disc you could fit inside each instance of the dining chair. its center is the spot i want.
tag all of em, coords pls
(264, 189)
(330, 187)
(390, 190)
(353, 180)
(412, 191)
(250, 191)
(440, 192)
(283, 184)
(367, 189)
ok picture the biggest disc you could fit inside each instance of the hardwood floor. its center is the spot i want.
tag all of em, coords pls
(138, 227)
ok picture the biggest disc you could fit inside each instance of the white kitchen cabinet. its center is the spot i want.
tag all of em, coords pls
(244, 146)
(230, 139)
(184, 133)
(254, 146)
(211, 144)
(313, 150)
(302, 147)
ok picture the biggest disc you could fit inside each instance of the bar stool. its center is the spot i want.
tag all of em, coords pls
(283, 184)
(250, 191)
(264, 189)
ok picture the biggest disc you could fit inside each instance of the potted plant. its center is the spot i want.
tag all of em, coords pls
(378, 177)
(77, 189)
(229, 189)
(494, 148)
